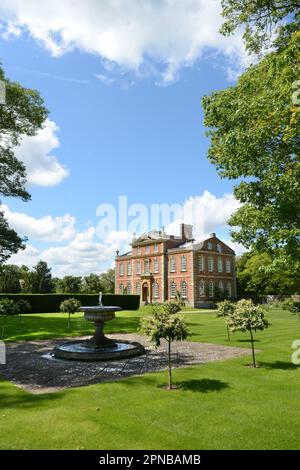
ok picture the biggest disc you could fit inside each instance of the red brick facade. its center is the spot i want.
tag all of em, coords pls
(160, 265)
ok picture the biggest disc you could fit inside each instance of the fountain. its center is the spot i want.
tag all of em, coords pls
(98, 347)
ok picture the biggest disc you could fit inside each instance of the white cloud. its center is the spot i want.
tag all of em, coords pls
(207, 213)
(84, 252)
(46, 228)
(11, 30)
(237, 247)
(105, 79)
(42, 167)
(82, 255)
(29, 257)
(168, 33)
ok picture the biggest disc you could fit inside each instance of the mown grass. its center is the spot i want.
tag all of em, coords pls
(221, 405)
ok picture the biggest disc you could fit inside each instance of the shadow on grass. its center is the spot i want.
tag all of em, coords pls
(42, 327)
(194, 334)
(279, 365)
(19, 399)
(203, 385)
(246, 340)
(123, 325)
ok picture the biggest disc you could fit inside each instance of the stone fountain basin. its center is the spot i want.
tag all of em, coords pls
(99, 313)
(99, 309)
(82, 351)
(98, 347)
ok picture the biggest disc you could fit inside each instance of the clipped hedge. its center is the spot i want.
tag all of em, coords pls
(49, 303)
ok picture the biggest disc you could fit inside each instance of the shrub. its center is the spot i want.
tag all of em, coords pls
(70, 306)
(172, 307)
(8, 308)
(247, 317)
(292, 306)
(179, 299)
(24, 306)
(164, 325)
(224, 309)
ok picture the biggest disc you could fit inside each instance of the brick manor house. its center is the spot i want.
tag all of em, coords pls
(160, 265)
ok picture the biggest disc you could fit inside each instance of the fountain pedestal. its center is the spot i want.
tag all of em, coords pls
(99, 340)
(98, 347)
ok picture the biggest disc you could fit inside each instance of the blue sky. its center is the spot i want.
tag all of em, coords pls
(115, 127)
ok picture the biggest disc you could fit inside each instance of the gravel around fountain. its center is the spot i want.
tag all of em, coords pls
(31, 366)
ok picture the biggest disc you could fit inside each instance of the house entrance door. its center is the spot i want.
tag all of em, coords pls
(145, 293)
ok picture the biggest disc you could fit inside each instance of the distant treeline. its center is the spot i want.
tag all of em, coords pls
(39, 280)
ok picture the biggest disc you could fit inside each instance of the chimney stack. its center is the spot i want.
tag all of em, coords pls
(186, 232)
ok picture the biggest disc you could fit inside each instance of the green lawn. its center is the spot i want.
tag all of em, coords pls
(221, 405)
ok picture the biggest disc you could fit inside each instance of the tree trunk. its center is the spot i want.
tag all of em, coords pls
(252, 345)
(3, 326)
(169, 366)
(228, 333)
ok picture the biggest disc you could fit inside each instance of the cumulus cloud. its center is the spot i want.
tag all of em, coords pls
(46, 228)
(82, 255)
(84, 252)
(28, 257)
(43, 168)
(206, 212)
(168, 33)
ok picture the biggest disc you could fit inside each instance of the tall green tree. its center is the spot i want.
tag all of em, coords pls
(257, 277)
(107, 280)
(27, 280)
(10, 276)
(254, 131)
(42, 278)
(10, 242)
(68, 284)
(91, 284)
(22, 114)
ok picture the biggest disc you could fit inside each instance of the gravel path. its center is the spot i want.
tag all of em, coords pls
(29, 364)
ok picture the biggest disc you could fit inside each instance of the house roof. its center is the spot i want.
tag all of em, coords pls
(154, 236)
(197, 245)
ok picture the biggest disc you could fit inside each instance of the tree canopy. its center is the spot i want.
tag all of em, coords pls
(14, 279)
(10, 242)
(265, 22)
(256, 276)
(165, 323)
(254, 131)
(42, 278)
(247, 317)
(22, 114)
(68, 284)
